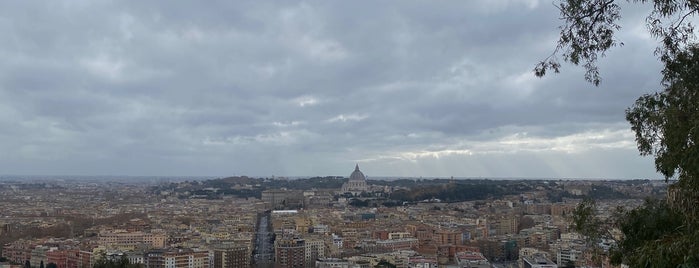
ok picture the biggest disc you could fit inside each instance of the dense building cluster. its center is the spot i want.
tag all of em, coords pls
(79, 224)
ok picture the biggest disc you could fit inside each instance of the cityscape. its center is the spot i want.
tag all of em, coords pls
(349, 134)
(333, 221)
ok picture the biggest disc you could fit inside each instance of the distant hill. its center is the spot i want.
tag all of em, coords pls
(242, 186)
(410, 190)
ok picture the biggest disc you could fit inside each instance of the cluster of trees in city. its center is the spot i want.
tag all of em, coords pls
(27, 264)
(231, 186)
(496, 189)
(122, 262)
(454, 192)
(661, 233)
(409, 190)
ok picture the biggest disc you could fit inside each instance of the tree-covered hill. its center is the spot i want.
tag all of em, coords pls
(404, 190)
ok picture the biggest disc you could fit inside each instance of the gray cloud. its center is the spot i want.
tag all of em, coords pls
(309, 88)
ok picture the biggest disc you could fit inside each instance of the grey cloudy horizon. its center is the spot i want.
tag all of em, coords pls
(306, 88)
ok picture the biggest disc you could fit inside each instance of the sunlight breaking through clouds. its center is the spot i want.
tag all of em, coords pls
(347, 117)
(522, 142)
(306, 101)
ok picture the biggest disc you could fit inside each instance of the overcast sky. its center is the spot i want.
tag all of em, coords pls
(290, 88)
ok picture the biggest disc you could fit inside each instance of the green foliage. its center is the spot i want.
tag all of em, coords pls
(584, 220)
(587, 222)
(52, 265)
(667, 123)
(569, 264)
(653, 233)
(667, 126)
(391, 203)
(590, 26)
(526, 223)
(605, 192)
(231, 186)
(451, 192)
(587, 34)
(384, 264)
(122, 262)
(358, 202)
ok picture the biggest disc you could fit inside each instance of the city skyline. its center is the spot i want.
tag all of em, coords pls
(405, 89)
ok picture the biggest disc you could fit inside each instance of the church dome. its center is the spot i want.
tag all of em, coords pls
(357, 175)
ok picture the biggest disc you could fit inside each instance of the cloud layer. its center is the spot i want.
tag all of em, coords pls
(309, 88)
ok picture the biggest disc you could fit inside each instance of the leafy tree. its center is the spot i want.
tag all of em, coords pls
(666, 124)
(569, 264)
(525, 223)
(122, 262)
(52, 265)
(384, 264)
(358, 202)
(366, 194)
(590, 26)
(586, 221)
(653, 234)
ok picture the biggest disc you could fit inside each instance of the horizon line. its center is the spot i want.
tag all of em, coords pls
(391, 177)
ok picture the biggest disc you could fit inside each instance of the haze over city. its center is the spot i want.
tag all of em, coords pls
(312, 88)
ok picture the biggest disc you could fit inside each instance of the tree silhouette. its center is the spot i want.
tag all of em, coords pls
(666, 125)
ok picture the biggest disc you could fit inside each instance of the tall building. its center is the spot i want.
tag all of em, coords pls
(568, 255)
(290, 253)
(506, 225)
(68, 258)
(38, 255)
(314, 249)
(155, 259)
(356, 183)
(18, 251)
(187, 259)
(447, 237)
(232, 257)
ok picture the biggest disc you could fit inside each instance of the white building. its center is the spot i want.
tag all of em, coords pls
(538, 261)
(337, 241)
(332, 263)
(315, 248)
(568, 255)
(356, 183)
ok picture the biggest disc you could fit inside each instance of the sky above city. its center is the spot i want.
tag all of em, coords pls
(311, 88)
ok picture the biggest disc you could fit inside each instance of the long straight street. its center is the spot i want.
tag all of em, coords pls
(263, 255)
